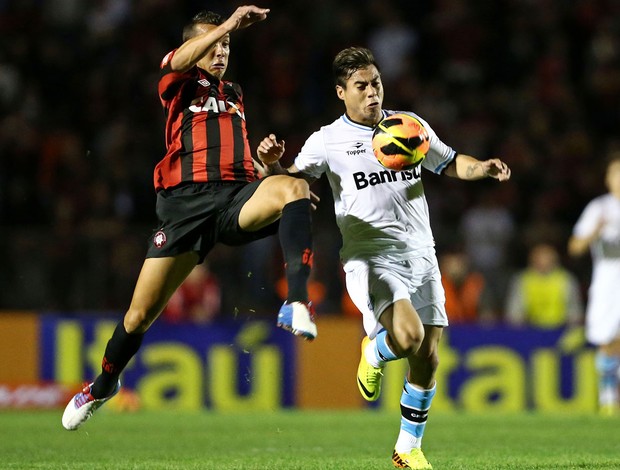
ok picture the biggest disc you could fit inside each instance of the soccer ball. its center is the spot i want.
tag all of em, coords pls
(400, 142)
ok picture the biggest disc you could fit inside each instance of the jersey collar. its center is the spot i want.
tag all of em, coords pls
(350, 122)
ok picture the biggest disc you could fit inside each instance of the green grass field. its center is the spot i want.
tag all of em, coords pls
(303, 440)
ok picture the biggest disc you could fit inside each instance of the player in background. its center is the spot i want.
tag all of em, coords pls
(208, 191)
(598, 229)
(392, 274)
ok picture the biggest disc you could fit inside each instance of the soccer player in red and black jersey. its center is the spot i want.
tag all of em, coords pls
(208, 191)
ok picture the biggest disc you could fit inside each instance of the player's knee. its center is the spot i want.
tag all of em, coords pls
(409, 340)
(138, 320)
(296, 188)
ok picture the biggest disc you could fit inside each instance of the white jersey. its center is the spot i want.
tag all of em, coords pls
(603, 312)
(379, 211)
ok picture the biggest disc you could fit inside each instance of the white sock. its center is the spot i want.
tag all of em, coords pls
(406, 442)
(608, 396)
(370, 352)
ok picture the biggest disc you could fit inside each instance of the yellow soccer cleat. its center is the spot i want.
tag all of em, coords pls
(368, 377)
(414, 459)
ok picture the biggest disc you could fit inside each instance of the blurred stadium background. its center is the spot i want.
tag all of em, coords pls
(534, 82)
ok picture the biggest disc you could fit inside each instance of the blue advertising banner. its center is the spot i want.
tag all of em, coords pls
(225, 366)
(252, 365)
(508, 369)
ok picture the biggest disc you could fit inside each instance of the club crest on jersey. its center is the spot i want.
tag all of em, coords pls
(357, 149)
(160, 239)
(204, 104)
(363, 180)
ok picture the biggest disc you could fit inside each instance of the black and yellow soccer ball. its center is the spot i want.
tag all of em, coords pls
(400, 142)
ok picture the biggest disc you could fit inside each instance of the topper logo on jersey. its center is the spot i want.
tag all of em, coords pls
(357, 149)
(204, 104)
(363, 180)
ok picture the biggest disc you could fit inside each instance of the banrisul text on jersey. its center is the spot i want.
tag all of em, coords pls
(364, 180)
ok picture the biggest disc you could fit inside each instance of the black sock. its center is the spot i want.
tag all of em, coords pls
(120, 349)
(296, 241)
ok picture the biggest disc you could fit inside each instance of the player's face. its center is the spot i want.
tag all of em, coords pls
(363, 96)
(216, 60)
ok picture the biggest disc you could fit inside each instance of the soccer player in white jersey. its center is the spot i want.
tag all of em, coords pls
(598, 229)
(388, 251)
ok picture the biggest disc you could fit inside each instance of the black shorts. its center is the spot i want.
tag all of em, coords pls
(194, 217)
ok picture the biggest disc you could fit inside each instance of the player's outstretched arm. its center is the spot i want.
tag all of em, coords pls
(194, 49)
(577, 246)
(466, 167)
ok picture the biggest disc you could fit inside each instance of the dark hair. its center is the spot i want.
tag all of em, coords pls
(350, 60)
(203, 17)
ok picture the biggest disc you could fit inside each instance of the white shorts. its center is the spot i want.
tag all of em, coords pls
(603, 312)
(376, 284)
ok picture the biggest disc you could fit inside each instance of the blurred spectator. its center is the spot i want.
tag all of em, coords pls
(392, 40)
(198, 299)
(544, 294)
(468, 300)
(488, 228)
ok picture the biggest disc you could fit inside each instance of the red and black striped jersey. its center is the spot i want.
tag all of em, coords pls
(206, 136)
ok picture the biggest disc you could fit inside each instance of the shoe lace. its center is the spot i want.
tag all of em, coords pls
(84, 397)
(373, 375)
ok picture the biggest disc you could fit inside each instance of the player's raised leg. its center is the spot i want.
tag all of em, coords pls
(403, 335)
(158, 280)
(288, 199)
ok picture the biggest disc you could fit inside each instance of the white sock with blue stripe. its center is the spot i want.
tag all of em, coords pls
(378, 352)
(414, 405)
(607, 367)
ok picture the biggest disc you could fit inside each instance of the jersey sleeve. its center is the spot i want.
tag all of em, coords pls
(439, 155)
(588, 220)
(312, 159)
(169, 80)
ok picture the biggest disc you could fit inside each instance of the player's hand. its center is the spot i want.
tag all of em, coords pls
(270, 150)
(495, 168)
(246, 15)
